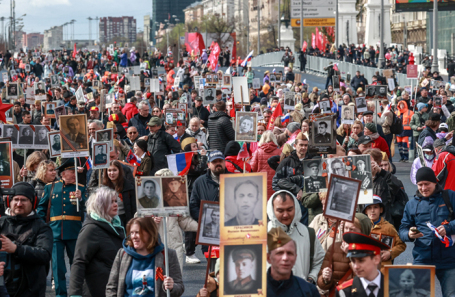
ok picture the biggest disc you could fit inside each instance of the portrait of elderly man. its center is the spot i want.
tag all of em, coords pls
(245, 266)
(72, 130)
(246, 197)
(150, 198)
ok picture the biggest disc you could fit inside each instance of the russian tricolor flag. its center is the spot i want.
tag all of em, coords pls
(448, 241)
(88, 164)
(179, 164)
(247, 59)
(286, 118)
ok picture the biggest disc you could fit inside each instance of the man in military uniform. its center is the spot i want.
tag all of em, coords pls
(175, 196)
(212, 229)
(60, 198)
(314, 179)
(322, 136)
(365, 255)
(77, 139)
(407, 283)
(150, 198)
(4, 160)
(245, 265)
(361, 174)
(56, 145)
(100, 157)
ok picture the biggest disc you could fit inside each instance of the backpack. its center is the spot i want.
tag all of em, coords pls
(397, 125)
(445, 196)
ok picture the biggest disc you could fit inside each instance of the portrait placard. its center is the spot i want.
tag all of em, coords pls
(174, 116)
(100, 153)
(246, 126)
(26, 135)
(55, 148)
(342, 196)
(154, 85)
(6, 164)
(336, 82)
(54, 81)
(253, 277)
(176, 82)
(109, 99)
(182, 106)
(347, 114)
(336, 166)
(314, 180)
(420, 155)
(60, 110)
(324, 106)
(243, 209)
(74, 135)
(406, 280)
(278, 77)
(209, 95)
(80, 94)
(12, 90)
(196, 81)
(39, 87)
(359, 167)
(208, 231)
(361, 104)
(256, 83)
(49, 109)
(135, 83)
(30, 95)
(289, 101)
(106, 135)
(149, 196)
(376, 92)
(96, 84)
(240, 87)
(227, 80)
(11, 132)
(5, 77)
(40, 140)
(437, 102)
(322, 136)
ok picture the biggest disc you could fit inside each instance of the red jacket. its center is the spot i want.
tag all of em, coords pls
(130, 110)
(259, 163)
(231, 160)
(442, 167)
(381, 144)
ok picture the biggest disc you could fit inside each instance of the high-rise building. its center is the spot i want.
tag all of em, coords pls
(165, 9)
(34, 40)
(117, 27)
(53, 38)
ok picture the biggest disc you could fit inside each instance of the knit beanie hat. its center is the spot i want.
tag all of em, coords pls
(292, 127)
(232, 148)
(24, 189)
(371, 127)
(421, 106)
(426, 174)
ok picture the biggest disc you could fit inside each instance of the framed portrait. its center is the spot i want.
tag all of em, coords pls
(11, 132)
(27, 67)
(347, 114)
(54, 81)
(359, 167)
(256, 83)
(74, 135)
(90, 97)
(12, 90)
(135, 83)
(39, 87)
(322, 135)
(100, 153)
(182, 106)
(208, 231)
(272, 77)
(336, 166)
(175, 196)
(30, 95)
(40, 140)
(252, 258)
(5, 77)
(154, 72)
(209, 95)
(60, 110)
(6, 164)
(154, 85)
(336, 82)
(196, 81)
(96, 84)
(49, 109)
(324, 106)
(109, 99)
(208, 78)
(314, 181)
(226, 80)
(218, 77)
(174, 116)
(147, 82)
(176, 82)
(419, 151)
(149, 196)
(106, 135)
(289, 101)
(26, 135)
(242, 199)
(370, 92)
(241, 92)
(348, 78)
(437, 102)
(246, 126)
(278, 77)
(389, 240)
(361, 104)
(342, 196)
(55, 147)
(409, 280)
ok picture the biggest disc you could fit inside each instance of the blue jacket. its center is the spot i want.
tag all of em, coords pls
(124, 60)
(429, 250)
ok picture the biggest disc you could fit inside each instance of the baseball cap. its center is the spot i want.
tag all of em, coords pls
(365, 139)
(434, 117)
(444, 125)
(154, 121)
(94, 108)
(215, 155)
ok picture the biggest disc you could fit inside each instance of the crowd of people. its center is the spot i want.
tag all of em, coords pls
(48, 217)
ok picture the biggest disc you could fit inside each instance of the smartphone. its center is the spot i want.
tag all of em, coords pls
(415, 230)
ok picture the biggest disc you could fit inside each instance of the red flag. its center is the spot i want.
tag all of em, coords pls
(313, 40)
(304, 46)
(317, 38)
(215, 52)
(194, 41)
(243, 153)
(74, 50)
(276, 113)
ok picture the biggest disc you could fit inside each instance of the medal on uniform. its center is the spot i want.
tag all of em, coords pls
(73, 198)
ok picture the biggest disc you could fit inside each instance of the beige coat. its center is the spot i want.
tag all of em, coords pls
(320, 224)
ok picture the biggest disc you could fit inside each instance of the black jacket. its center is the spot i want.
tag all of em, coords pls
(33, 253)
(425, 133)
(202, 113)
(220, 130)
(159, 145)
(96, 248)
(381, 187)
(198, 167)
(356, 82)
(140, 123)
(39, 187)
(290, 76)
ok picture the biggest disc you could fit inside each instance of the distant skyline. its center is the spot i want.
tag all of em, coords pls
(44, 14)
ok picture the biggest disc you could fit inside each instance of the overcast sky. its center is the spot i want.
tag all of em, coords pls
(43, 14)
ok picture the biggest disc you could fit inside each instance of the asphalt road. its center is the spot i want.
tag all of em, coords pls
(193, 274)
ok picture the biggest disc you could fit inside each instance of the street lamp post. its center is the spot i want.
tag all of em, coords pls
(301, 22)
(178, 38)
(279, 23)
(434, 65)
(259, 26)
(381, 44)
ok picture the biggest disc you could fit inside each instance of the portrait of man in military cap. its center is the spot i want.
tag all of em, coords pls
(362, 171)
(409, 282)
(209, 224)
(41, 135)
(342, 198)
(150, 196)
(174, 191)
(101, 158)
(314, 180)
(244, 266)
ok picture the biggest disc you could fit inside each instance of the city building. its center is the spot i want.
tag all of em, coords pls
(163, 10)
(194, 12)
(148, 35)
(120, 28)
(34, 40)
(413, 25)
(225, 9)
(269, 19)
(53, 38)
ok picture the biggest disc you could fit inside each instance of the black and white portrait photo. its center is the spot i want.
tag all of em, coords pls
(336, 82)
(322, 132)
(54, 81)
(12, 91)
(149, 193)
(388, 240)
(55, 148)
(411, 280)
(106, 135)
(49, 110)
(362, 171)
(209, 96)
(5, 159)
(100, 155)
(361, 104)
(272, 77)
(314, 181)
(324, 106)
(10, 131)
(109, 99)
(243, 200)
(347, 114)
(39, 88)
(26, 135)
(96, 84)
(243, 269)
(41, 136)
(342, 198)
(74, 133)
(60, 110)
(336, 166)
(209, 224)
(246, 126)
(289, 101)
(175, 192)
(381, 92)
(370, 92)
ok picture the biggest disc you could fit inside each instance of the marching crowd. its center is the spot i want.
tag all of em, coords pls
(308, 254)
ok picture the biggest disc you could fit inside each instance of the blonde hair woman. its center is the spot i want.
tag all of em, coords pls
(29, 170)
(46, 173)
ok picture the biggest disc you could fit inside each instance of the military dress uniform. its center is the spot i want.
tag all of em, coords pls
(322, 138)
(100, 159)
(175, 198)
(65, 222)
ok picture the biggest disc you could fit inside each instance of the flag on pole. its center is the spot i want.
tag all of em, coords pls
(132, 159)
(247, 59)
(180, 164)
(286, 118)
(74, 50)
(276, 113)
(243, 153)
(88, 164)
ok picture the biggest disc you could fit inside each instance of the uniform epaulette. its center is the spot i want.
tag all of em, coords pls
(345, 285)
(81, 185)
(51, 183)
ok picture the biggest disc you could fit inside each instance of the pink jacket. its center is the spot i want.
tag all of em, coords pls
(259, 163)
